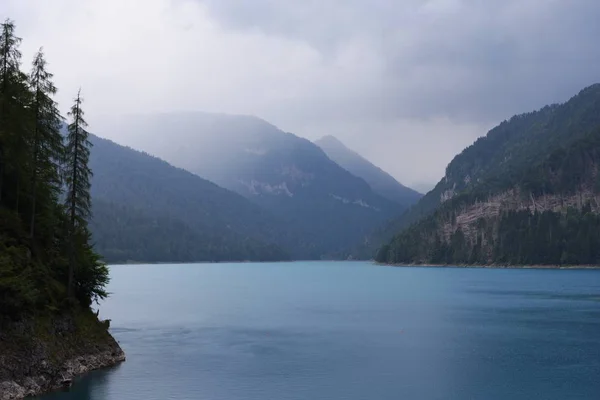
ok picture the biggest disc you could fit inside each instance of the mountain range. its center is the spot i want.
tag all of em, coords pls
(306, 204)
(147, 210)
(238, 188)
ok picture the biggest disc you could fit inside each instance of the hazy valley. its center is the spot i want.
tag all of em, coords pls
(294, 195)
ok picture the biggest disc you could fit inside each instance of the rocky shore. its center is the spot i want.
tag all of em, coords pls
(43, 354)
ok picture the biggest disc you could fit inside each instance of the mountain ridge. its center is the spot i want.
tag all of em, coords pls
(520, 131)
(152, 189)
(328, 208)
(535, 170)
(379, 180)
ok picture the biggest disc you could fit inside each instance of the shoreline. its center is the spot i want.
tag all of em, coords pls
(493, 266)
(72, 369)
(228, 262)
(371, 261)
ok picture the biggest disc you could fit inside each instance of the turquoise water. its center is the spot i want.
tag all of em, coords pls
(347, 330)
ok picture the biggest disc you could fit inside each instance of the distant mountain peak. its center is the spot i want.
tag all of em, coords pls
(284, 175)
(330, 139)
(380, 181)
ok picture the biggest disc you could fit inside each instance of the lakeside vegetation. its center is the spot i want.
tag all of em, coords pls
(47, 263)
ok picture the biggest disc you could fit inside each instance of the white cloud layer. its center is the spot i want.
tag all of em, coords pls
(407, 83)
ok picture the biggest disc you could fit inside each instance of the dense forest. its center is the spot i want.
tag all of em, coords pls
(547, 197)
(123, 233)
(518, 238)
(47, 262)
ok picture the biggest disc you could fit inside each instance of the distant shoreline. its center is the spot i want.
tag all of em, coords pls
(223, 262)
(491, 266)
(401, 265)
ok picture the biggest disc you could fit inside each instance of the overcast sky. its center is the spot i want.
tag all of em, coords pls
(406, 83)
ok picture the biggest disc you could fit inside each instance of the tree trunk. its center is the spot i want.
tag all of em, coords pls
(33, 200)
(1, 178)
(71, 267)
(36, 145)
(18, 191)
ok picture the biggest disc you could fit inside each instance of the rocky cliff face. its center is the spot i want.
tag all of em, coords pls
(39, 355)
(468, 218)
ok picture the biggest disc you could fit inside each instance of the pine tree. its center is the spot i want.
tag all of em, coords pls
(47, 141)
(35, 272)
(10, 58)
(77, 176)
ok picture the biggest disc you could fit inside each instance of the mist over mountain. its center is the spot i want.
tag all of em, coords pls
(360, 135)
(290, 177)
(380, 181)
(147, 210)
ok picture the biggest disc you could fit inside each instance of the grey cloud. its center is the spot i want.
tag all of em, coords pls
(469, 60)
(406, 83)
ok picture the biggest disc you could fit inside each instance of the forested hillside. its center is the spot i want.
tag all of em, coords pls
(147, 210)
(527, 193)
(325, 209)
(47, 263)
(380, 181)
(507, 148)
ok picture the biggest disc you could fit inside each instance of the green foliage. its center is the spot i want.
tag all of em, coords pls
(91, 274)
(17, 287)
(77, 173)
(35, 239)
(46, 138)
(77, 178)
(124, 233)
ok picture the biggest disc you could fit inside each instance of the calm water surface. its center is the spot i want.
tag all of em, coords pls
(349, 331)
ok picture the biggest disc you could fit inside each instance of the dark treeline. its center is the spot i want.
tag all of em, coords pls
(518, 238)
(46, 259)
(123, 233)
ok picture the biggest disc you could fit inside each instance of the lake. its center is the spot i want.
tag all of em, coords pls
(349, 331)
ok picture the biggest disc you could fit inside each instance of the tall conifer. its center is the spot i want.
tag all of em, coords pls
(77, 177)
(47, 141)
(10, 59)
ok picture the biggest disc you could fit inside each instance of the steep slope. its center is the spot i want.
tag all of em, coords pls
(527, 193)
(509, 147)
(326, 208)
(380, 181)
(148, 210)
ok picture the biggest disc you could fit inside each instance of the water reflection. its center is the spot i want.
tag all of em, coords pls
(93, 386)
(349, 331)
